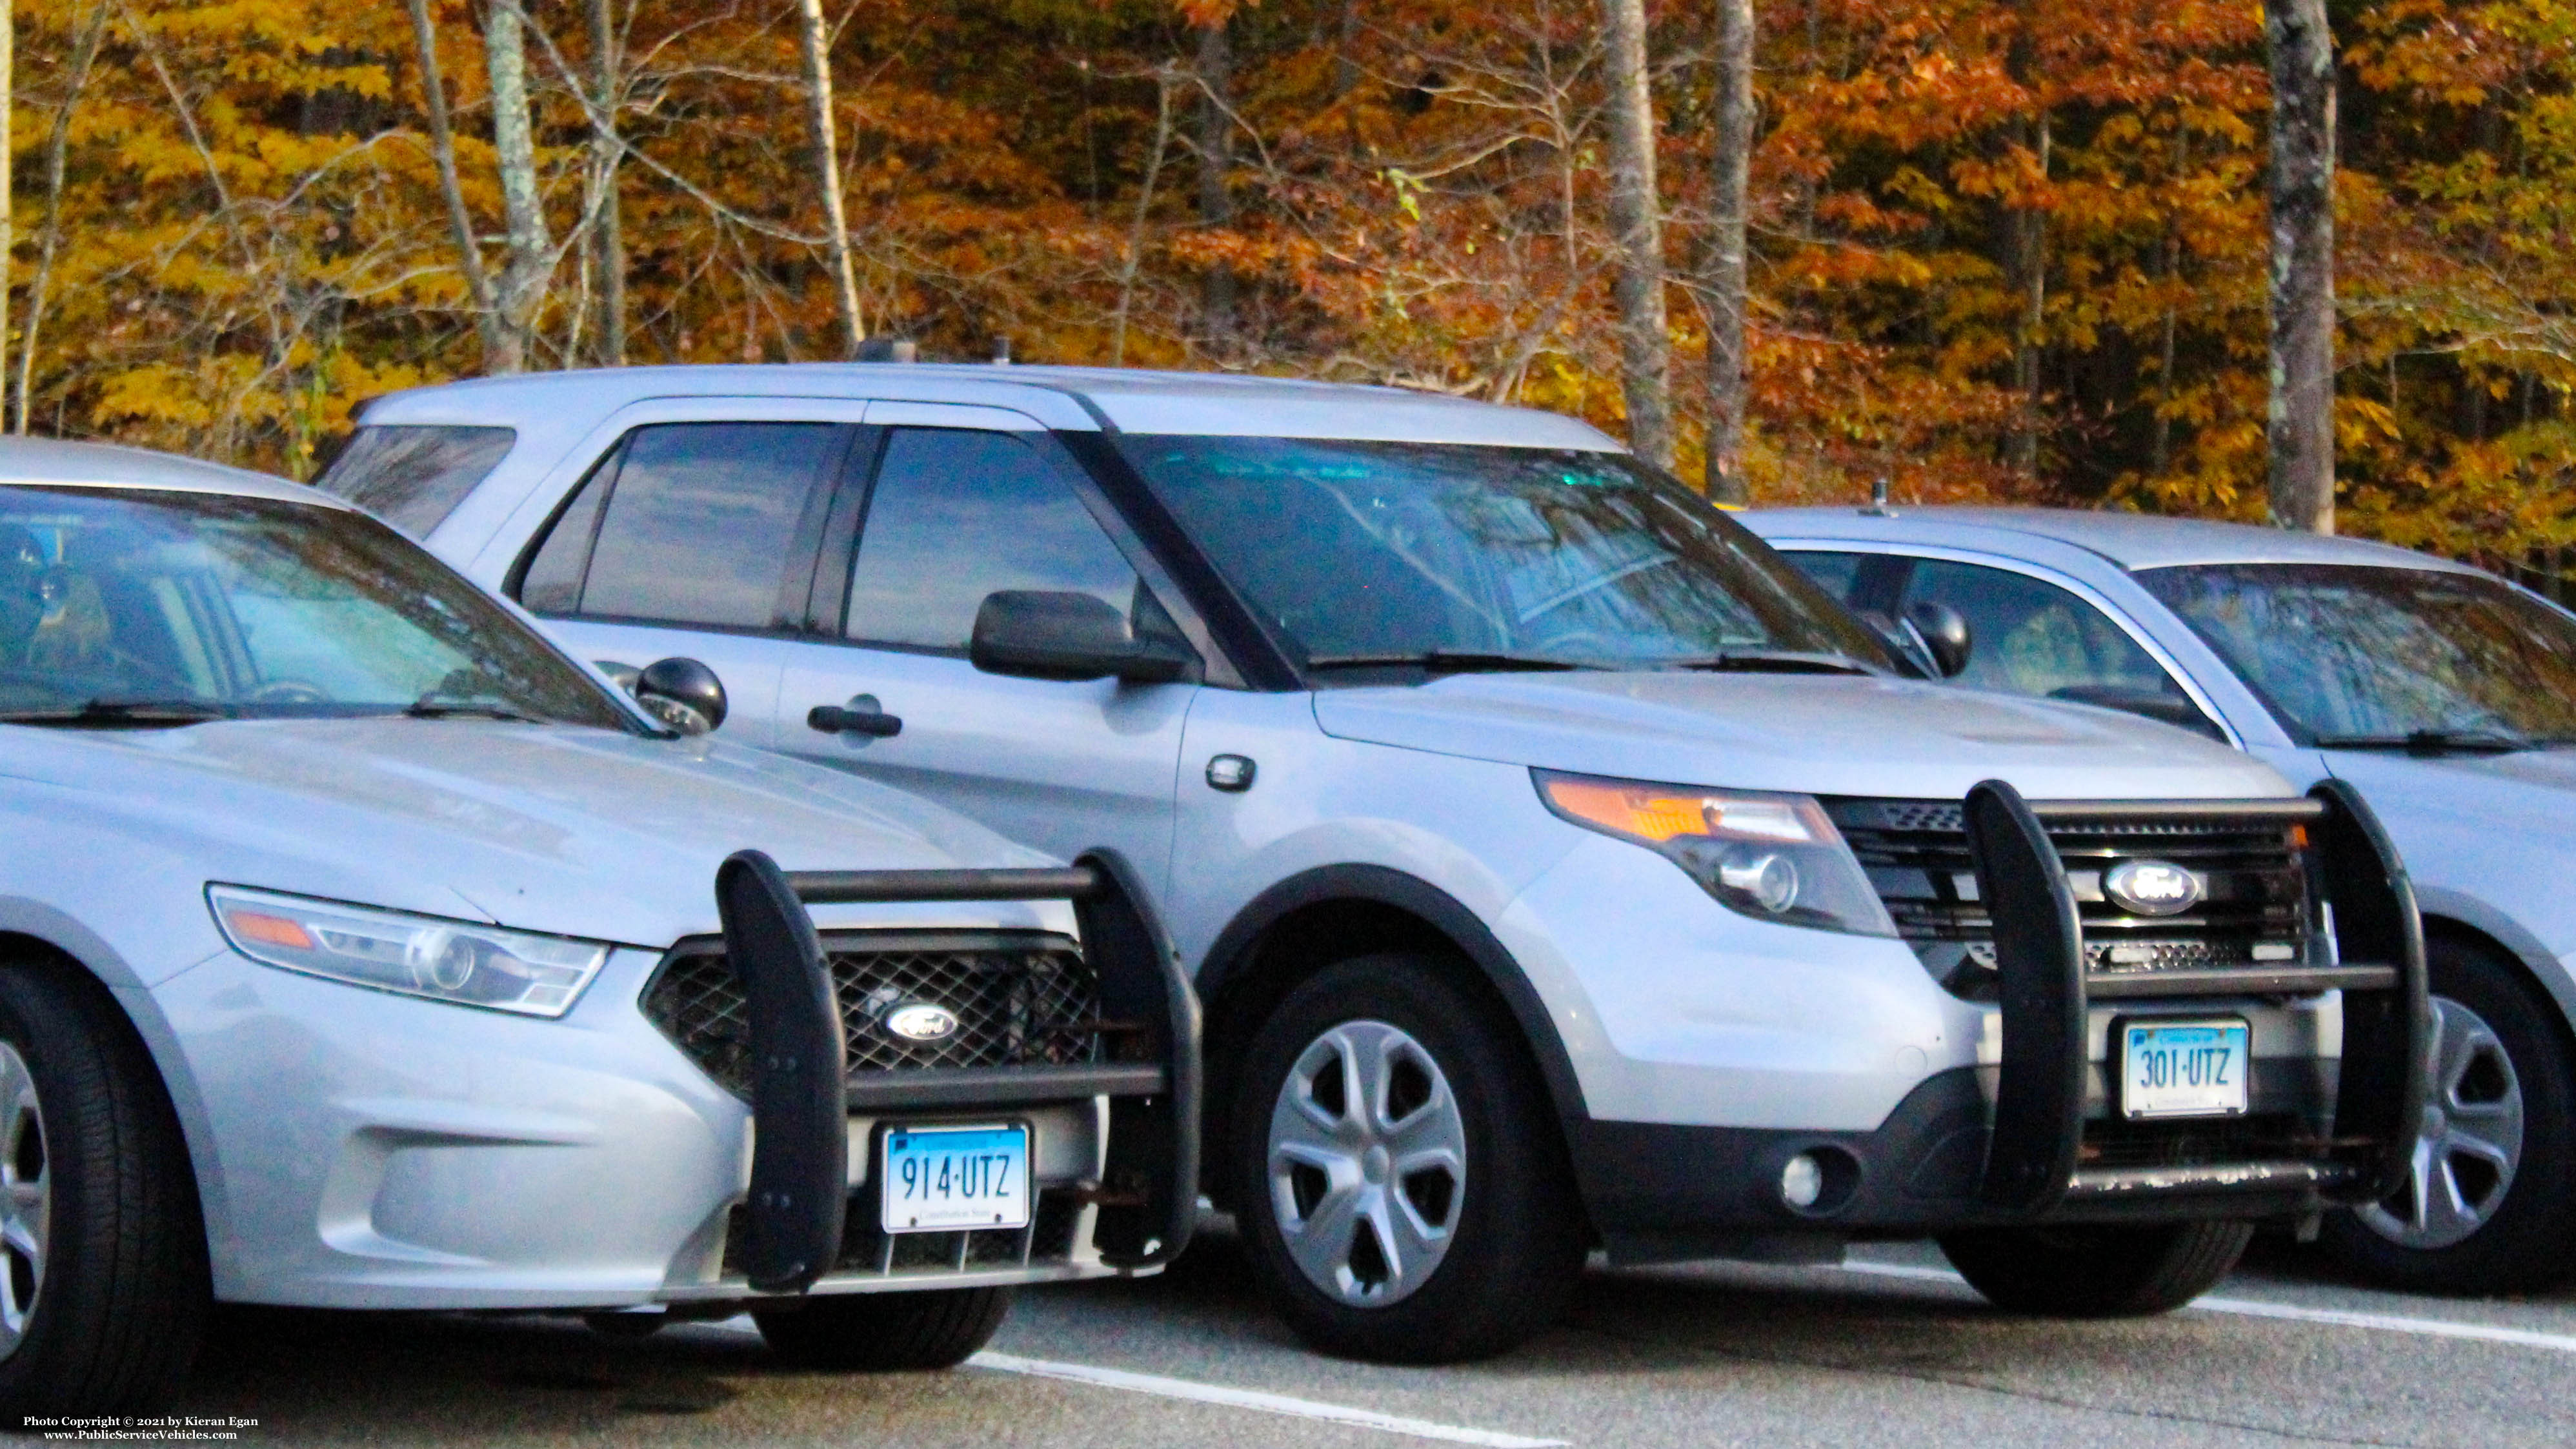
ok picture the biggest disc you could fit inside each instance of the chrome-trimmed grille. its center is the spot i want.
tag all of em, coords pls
(1019, 999)
(2255, 914)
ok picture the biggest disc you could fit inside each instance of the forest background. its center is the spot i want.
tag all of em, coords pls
(1996, 249)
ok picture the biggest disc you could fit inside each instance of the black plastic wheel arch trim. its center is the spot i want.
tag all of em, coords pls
(801, 1101)
(2381, 1085)
(2039, 956)
(1235, 952)
(1153, 1140)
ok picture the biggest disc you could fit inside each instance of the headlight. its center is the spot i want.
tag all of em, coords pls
(459, 961)
(1771, 857)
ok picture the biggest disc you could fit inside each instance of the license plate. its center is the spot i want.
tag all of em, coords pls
(2184, 1068)
(940, 1179)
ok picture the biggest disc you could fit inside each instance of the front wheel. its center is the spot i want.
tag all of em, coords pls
(103, 1283)
(2088, 1270)
(884, 1332)
(2489, 1200)
(1402, 1185)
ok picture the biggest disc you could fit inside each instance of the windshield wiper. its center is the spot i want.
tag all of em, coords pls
(1775, 661)
(430, 706)
(116, 712)
(1447, 661)
(2435, 742)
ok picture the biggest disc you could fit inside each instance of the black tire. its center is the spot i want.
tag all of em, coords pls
(2523, 1244)
(885, 1332)
(1515, 1236)
(115, 1322)
(2097, 1270)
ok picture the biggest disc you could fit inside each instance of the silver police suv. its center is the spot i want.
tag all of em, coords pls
(1559, 867)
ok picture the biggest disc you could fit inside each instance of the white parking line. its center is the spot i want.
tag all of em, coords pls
(1198, 1393)
(2256, 1308)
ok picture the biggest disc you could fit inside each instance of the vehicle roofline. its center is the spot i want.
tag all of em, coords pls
(58, 463)
(1085, 388)
(1859, 526)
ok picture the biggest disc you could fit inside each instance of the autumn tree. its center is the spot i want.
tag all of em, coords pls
(2301, 423)
(1729, 301)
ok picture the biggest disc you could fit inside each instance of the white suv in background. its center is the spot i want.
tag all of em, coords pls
(1558, 866)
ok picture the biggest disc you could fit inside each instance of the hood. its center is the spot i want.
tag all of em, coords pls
(1815, 734)
(578, 832)
(2522, 794)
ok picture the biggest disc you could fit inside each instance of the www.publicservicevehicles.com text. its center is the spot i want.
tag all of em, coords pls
(112, 1428)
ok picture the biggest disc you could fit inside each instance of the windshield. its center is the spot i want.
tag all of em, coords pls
(2355, 655)
(147, 605)
(1527, 557)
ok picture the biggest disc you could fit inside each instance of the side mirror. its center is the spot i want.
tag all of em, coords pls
(1042, 635)
(681, 693)
(1944, 632)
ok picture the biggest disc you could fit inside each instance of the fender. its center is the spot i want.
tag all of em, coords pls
(2440, 904)
(1436, 907)
(89, 952)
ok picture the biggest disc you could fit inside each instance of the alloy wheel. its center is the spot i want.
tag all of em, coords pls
(1367, 1163)
(2471, 1141)
(26, 1199)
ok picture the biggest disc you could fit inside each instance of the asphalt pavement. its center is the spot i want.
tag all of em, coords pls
(1889, 1350)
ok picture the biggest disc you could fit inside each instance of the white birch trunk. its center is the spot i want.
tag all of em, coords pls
(827, 169)
(1636, 222)
(529, 261)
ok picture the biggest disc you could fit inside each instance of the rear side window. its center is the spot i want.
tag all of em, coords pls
(690, 523)
(413, 477)
(1835, 573)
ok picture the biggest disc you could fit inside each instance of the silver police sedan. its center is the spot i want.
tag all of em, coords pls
(360, 949)
(2448, 696)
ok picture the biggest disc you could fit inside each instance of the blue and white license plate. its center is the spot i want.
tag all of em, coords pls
(2184, 1068)
(940, 1179)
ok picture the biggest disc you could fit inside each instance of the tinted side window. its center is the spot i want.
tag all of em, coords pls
(955, 516)
(413, 477)
(2036, 638)
(701, 525)
(1833, 572)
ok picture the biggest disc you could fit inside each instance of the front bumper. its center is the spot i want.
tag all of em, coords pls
(357, 1149)
(797, 1230)
(2032, 1138)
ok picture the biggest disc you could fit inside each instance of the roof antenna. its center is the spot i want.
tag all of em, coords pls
(1002, 350)
(1878, 501)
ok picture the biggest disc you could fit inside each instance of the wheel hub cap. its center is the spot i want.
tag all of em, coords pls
(26, 1199)
(2470, 1143)
(1368, 1163)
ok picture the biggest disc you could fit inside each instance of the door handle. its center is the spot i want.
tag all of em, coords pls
(833, 719)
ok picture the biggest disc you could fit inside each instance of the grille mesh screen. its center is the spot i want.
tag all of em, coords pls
(1030, 1001)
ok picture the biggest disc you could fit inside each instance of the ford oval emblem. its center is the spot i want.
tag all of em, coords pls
(921, 1021)
(2152, 887)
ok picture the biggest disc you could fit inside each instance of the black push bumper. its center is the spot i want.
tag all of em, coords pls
(2031, 1167)
(2013, 1148)
(795, 1216)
